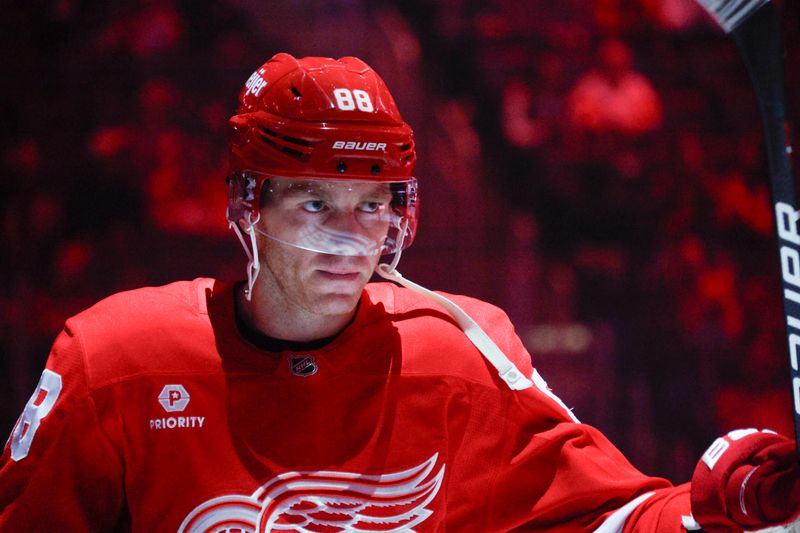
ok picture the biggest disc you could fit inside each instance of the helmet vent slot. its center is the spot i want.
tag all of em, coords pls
(295, 140)
(291, 152)
(296, 92)
(272, 138)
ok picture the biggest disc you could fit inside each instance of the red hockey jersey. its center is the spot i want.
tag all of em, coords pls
(154, 414)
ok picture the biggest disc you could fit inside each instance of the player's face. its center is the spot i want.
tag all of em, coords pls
(300, 219)
(349, 218)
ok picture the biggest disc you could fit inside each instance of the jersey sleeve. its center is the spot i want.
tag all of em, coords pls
(59, 470)
(556, 474)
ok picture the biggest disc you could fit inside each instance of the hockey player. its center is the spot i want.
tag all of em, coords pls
(306, 399)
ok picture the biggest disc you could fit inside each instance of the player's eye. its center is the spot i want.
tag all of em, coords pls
(313, 206)
(370, 207)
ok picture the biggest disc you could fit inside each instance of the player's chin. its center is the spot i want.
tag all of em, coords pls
(334, 303)
(340, 288)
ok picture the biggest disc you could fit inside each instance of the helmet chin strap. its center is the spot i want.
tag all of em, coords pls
(253, 264)
(508, 372)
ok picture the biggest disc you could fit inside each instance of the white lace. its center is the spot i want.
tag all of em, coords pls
(509, 373)
(253, 264)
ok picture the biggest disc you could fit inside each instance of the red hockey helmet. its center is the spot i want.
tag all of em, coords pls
(315, 124)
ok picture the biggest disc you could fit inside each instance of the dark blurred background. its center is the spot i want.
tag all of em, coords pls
(594, 167)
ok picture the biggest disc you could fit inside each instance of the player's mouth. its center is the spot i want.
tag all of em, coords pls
(340, 275)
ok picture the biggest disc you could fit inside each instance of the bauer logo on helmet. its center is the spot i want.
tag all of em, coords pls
(356, 145)
(255, 83)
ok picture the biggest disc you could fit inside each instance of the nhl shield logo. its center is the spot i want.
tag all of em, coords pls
(303, 365)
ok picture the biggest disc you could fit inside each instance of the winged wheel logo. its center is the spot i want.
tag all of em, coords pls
(312, 502)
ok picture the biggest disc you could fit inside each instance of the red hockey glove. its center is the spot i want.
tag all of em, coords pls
(747, 479)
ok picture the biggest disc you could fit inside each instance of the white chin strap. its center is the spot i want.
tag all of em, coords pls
(253, 264)
(508, 372)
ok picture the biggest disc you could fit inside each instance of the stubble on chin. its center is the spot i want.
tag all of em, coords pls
(308, 292)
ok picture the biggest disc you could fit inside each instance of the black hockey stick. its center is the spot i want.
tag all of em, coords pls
(755, 26)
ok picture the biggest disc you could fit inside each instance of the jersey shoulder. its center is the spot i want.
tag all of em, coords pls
(406, 304)
(435, 344)
(181, 293)
(146, 330)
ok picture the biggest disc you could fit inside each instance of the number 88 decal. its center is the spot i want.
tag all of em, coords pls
(35, 410)
(347, 100)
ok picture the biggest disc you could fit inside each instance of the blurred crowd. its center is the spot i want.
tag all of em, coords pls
(595, 163)
(629, 131)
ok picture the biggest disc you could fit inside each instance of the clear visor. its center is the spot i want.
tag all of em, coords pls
(354, 218)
